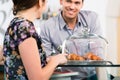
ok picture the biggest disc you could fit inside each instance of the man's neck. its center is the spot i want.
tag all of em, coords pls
(70, 22)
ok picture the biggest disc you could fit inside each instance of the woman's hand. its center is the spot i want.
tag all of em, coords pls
(59, 58)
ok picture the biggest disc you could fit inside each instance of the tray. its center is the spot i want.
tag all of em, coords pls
(88, 62)
(64, 74)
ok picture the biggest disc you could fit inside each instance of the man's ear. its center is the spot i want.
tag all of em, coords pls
(82, 5)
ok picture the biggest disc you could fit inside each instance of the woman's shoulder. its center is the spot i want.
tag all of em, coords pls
(20, 21)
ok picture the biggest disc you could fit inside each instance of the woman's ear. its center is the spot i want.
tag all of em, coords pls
(61, 2)
(40, 3)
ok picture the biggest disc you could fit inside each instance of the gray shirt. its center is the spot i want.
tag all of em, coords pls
(55, 31)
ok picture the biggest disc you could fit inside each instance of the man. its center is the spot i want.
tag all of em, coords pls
(71, 20)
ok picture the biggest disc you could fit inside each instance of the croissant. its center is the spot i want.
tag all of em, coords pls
(92, 56)
(74, 56)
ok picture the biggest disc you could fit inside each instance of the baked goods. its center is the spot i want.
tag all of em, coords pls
(87, 56)
(92, 56)
(74, 56)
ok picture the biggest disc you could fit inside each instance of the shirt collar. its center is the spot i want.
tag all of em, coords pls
(82, 19)
(79, 20)
(62, 22)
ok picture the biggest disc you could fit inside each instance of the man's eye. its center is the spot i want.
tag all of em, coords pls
(68, 0)
(77, 3)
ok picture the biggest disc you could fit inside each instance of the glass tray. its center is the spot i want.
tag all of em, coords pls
(88, 62)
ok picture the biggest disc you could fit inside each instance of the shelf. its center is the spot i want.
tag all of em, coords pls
(88, 65)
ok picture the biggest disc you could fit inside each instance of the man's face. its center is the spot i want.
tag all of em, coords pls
(71, 8)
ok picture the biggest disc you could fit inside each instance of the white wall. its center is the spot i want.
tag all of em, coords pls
(113, 12)
(5, 17)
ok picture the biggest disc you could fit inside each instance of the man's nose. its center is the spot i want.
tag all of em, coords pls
(72, 6)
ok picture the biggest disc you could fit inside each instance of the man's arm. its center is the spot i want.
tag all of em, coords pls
(46, 42)
(93, 22)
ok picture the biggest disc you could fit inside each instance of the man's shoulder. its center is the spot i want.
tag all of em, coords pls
(50, 23)
(52, 20)
(88, 12)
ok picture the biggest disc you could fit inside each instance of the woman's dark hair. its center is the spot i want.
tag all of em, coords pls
(23, 5)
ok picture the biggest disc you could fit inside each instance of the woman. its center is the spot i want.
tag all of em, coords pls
(24, 56)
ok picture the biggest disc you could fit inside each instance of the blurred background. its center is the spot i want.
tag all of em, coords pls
(108, 11)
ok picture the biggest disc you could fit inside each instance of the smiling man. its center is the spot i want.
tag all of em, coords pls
(71, 20)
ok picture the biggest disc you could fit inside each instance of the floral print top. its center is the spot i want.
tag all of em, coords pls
(19, 30)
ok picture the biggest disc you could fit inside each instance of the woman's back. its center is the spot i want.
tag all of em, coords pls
(18, 30)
